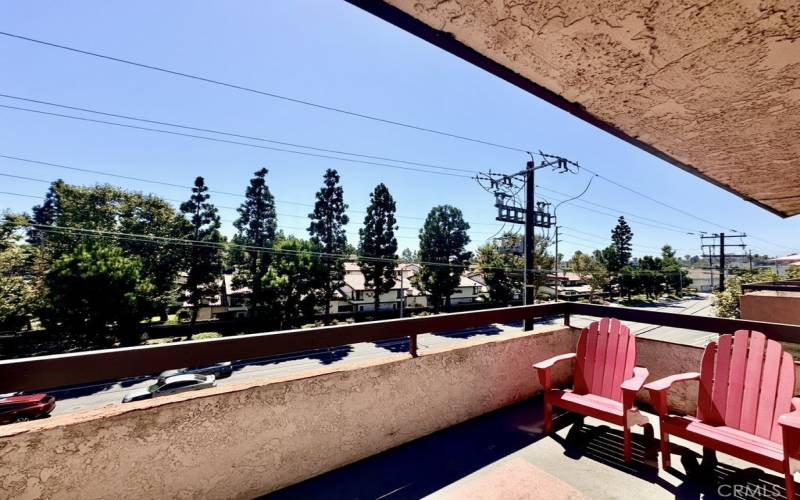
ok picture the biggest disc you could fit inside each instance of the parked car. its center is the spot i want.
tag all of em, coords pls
(219, 370)
(171, 385)
(22, 408)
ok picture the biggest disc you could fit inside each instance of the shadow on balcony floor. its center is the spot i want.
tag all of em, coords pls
(585, 456)
(428, 464)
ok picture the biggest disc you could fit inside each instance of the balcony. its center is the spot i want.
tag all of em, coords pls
(462, 419)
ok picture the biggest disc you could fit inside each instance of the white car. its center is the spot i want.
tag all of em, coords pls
(171, 385)
(218, 370)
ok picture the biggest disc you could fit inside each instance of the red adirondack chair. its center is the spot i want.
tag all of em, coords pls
(605, 382)
(743, 405)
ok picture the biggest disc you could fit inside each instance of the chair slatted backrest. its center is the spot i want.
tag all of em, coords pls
(605, 358)
(746, 382)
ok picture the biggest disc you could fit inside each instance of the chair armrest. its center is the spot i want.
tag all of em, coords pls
(637, 381)
(791, 419)
(658, 389)
(665, 383)
(543, 368)
(549, 363)
(790, 428)
(631, 386)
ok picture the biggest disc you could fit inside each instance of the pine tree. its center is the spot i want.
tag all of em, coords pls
(442, 240)
(621, 237)
(204, 262)
(377, 240)
(46, 213)
(256, 227)
(327, 232)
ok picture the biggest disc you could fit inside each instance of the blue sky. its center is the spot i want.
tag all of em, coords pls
(331, 53)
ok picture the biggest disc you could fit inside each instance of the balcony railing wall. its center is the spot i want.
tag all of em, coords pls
(45, 372)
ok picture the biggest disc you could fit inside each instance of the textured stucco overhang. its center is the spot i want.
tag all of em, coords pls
(710, 86)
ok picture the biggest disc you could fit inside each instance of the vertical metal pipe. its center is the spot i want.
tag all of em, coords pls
(529, 241)
(722, 262)
(412, 346)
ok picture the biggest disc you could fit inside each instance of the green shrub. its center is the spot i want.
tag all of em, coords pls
(206, 335)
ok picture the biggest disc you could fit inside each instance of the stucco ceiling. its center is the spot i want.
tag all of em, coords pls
(711, 86)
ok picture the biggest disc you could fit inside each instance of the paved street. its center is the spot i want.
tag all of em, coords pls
(99, 395)
(700, 306)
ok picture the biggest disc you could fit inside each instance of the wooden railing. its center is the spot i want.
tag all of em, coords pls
(46, 372)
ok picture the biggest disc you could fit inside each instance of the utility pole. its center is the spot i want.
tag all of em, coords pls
(402, 291)
(721, 262)
(505, 188)
(722, 255)
(530, 295)
(555, 287)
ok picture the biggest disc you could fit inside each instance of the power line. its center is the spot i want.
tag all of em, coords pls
(342, 111)
(182, 186)
(355, 230)
(165, 240)
(264, 93)
(228, 141)
(239, 195)
(21, 195)
(691, 231)
(636, 247)
(240, 136)
(615, 216)
(654, 200)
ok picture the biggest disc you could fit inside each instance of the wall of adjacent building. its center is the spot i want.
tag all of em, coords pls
(771, 306)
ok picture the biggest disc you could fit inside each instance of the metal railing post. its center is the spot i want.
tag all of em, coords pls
(412, 346)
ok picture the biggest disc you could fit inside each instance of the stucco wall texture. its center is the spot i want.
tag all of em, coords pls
(714, 85)
(776, 307)
(249, 440)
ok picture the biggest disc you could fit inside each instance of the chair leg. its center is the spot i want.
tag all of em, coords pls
(548, 418)
(665, 453)
(709, 458)
(627, 444)
(789, 484)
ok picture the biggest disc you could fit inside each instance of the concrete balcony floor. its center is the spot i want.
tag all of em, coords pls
(505, 455)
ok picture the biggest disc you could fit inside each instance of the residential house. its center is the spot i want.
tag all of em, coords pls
(570, 286)
(703, 280)
(356, 296)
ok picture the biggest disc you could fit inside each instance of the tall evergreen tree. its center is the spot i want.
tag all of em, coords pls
(442, 240)
(46, 213)
(377, 240)
(621, 237)
(327, 232)
(256, 227)
(204, 262)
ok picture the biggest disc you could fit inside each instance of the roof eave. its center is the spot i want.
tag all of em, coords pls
(448, 42)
